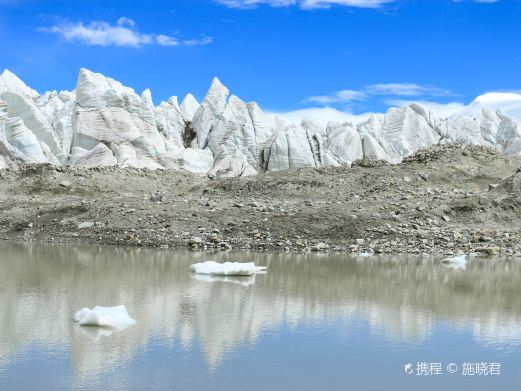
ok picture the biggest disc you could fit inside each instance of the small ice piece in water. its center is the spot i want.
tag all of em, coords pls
(111, 317)
(227, 268)
(459, 262)
(365, 254)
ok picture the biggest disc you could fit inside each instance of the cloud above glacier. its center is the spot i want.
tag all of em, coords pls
(406, 89)
(379, 90)
(442, 110)
(338, 97)
(318, 4)
(477, 1)
(507, 101)
(305, 4)
(123, 34)
(321, 115)
(349, 105)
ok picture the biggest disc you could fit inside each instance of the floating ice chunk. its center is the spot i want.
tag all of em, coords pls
(112, 317)
(458, 263)
(365, 254)
(227, 268)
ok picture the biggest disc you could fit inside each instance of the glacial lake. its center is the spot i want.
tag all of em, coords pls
(313, 322)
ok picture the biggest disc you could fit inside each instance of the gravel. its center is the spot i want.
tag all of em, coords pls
(443, 200)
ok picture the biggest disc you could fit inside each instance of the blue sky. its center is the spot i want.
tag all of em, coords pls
(351, 55)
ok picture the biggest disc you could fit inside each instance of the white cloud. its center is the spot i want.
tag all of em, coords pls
(254, 3)
(508, 102)
(126, 21)
(310, 4)
(322, 115)
(123, 33)
(305, 4)
(442, 110)
(198, 41)
(387, 89)
(165, 40)
(477, 1)
(338, 97)
(406, 89)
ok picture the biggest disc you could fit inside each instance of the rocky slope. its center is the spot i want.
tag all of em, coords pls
(103, 123)
(442, 200)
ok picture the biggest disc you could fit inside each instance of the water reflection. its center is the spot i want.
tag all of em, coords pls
(42, 285)
(241, 280)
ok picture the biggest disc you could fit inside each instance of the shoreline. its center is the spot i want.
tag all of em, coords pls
(440, 201)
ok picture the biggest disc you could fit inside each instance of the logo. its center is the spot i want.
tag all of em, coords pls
(409, 369)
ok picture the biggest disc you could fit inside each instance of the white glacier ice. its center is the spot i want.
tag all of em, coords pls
(104, 123)
(227, 268)
(112, 317)
(10, 82)
(507, 102)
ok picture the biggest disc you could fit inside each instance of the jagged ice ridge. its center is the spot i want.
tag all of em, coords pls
(103, 123)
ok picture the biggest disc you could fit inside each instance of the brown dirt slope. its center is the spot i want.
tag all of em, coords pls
(445, 199)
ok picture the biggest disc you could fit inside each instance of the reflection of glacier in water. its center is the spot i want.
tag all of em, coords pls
(41, 287)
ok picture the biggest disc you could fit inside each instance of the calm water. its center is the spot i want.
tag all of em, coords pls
(312, 322)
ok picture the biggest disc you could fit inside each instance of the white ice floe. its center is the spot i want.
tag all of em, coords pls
(227, 268)
(459, 262)
(112, 317)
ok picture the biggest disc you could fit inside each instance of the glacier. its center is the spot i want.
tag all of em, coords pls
(104, 123)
